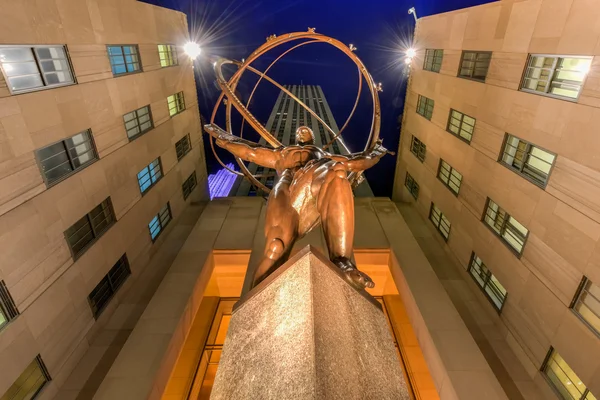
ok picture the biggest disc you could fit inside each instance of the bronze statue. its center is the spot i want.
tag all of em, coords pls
(312, 188)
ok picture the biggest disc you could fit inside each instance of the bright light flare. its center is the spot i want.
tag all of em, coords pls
(407, 60)
(411, 53)
(192, 50)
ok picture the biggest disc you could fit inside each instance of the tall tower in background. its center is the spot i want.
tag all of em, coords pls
(286, 117)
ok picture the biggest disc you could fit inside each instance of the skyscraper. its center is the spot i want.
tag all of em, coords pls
(286, 117)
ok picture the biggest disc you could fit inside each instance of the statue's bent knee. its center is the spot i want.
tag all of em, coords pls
(339, 171)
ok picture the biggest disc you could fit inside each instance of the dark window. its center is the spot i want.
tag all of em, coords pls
(511, 231)
(441, 223)
(29, 68)
(138, 122)
(148, 176)
(433, 60)
(29, 384)
(167, 54)
(64, 158)
(461, 125)
(474, 65)
(176, 103)
(183, 146)
(412, 185)
(124, 59)
(425, 107)
(160, 221)
(586, 304)
(8, 309)
(89, 228)
(566, 384)
(487, 282)
(189, 185)
(527, 160)
(418, 148)
(270, 180)
(449, 176)
(560, 77)
(105, 290)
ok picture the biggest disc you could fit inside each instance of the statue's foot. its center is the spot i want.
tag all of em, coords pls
(356, 278)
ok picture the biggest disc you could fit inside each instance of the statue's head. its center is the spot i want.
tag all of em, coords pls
(304, 136)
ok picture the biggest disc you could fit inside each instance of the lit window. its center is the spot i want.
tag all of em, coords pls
(425, 107)
(62, 159)
(124, 59)
(33, 68)
(167, 54)
(487, 281)
(183, 146)
(89, 228)
(105, 290)
(29, 384)
(563, 379)
(176, 103)
(586, 304)
(433, 60)
(527, 160)
(160, 221)
(189, 185)
(8, 309)
(449, 176)
(138, 122)
(511, 231)
(474, 65)
(556, 76)
(440, 221)
(418, 148)
(411, 185)
(148, 176)
(461, 125)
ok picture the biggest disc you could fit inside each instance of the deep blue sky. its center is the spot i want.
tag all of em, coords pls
(380, 29)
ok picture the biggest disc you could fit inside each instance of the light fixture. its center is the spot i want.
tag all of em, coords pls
(413, 12)
(192, 49)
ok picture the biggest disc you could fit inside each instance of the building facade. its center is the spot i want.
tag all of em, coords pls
(100, 157)
(498, 157)
(286, 116)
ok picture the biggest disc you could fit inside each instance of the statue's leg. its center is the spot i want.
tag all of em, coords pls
(336, 206)
(281, 226)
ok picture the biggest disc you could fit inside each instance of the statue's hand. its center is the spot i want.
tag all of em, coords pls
(222, 137)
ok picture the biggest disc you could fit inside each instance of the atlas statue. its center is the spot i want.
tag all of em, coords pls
(314, 186)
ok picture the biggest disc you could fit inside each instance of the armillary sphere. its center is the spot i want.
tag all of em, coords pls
(228, 90)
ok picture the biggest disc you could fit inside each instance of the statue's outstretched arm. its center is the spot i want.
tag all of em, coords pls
(244, 149)
(361, 161)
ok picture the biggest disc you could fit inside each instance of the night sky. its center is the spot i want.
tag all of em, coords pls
(380, 29)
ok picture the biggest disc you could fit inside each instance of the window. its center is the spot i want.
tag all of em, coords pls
(176, 103)
(425, 107)
(183, 146)
(440, 221)
(461, 125)
(474, 65)
(124, 59)
(433, 60)
(138, 122)
(586, 304)
(563, 379)
(488, 282)
(160, 221)
(189, 185)
(8, 309)
(29, 383)
(506, 227)
(89, 228)
(418, 148)
(560, 77)
(62, 159)
(527, 160)
(411, 185)
(108, 286)
(29, 68)
(449, 176)
(148, 176)
(167, 54)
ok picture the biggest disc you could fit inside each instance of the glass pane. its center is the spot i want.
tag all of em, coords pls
(17, 69)
(25, 82)
(154, 227)
(27, 384)
(115, 50)
(563, 378)
(3, 318)
(15, 54)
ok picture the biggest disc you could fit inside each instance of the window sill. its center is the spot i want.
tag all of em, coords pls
(526, 177)
(471, 79)
(553, 96)
(512, 249)
(127, 73)
(70, 174)
(38, 89)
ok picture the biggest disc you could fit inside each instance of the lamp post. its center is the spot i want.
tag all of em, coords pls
(413, 12)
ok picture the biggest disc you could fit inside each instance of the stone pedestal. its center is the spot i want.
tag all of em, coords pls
(305, 333)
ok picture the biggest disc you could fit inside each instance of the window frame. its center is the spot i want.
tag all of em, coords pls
(503, 228)
(433, 58)
(44, 372)
(452, 169)
(38, 160)
(527, 152)
(487, 281)
(553, 72)
(138, 124)
(412, 185)
(113, 286)
(437, 224)
(460, 126)
(176, 102)
(422, 148)
(152, 184)
(8, 308)
(544, 374)
(96, 234)
(185, 138)
(576, 300)
(172, 50)
(460, 65)
(121, 46)
(186, 185)
(425, 101)
(37, 62)
(166, 207)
